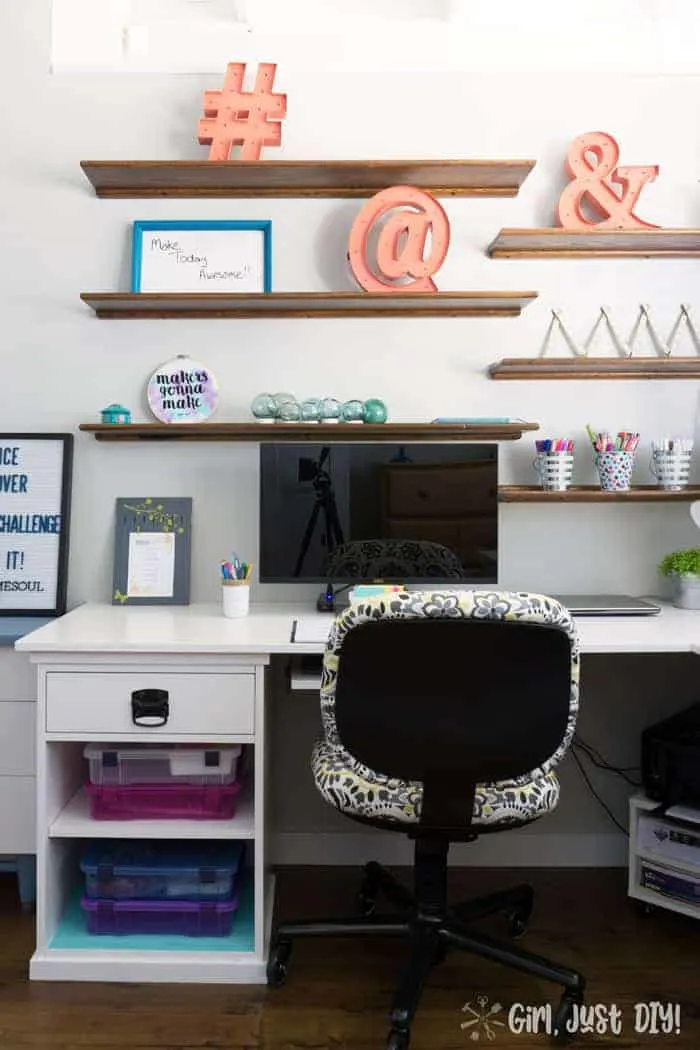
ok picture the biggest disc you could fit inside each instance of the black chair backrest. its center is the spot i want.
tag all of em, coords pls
(456, 701)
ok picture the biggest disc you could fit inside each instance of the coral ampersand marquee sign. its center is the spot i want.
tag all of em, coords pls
(610, 191)
(396, 225)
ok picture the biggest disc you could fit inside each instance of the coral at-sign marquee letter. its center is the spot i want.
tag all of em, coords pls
(592, 165)
(401, 241)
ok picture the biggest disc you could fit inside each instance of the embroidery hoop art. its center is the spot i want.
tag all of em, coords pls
(188, 398)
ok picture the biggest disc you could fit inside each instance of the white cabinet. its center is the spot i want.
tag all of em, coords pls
(664, 859)
(195, 698)
(17, 754)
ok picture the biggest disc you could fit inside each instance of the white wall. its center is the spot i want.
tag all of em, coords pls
(61, 365)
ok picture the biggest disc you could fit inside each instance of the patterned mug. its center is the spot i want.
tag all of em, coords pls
(555, 470)
(615, 470)
(671, 468)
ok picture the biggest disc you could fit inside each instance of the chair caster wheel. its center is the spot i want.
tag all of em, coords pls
(366, 903)
(517, 924)
(367, 897)
(399, 1038)
(563, 1016)
(517, 928)
(277, 963)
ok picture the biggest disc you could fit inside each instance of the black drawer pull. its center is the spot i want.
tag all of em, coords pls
(149, 707)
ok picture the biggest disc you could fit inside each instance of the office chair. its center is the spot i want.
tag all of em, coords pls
(443, 717)
(384, 559)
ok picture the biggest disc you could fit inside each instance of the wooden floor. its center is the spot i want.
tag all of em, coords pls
(338, 992)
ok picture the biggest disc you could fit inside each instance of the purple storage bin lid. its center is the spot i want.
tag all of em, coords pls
(221, 907)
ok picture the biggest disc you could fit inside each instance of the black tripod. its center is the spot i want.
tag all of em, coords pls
(324, 504)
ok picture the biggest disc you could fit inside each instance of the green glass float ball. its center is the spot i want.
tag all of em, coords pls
(311, 410)
(264, 406)
(374, 411)
(330, 410)
(351, 412)
(290, 412)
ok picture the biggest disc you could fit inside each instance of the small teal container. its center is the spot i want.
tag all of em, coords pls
(115, 414)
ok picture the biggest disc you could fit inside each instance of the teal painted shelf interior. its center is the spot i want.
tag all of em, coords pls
(72, 932)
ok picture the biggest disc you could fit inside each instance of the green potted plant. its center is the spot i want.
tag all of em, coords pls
(683, 567)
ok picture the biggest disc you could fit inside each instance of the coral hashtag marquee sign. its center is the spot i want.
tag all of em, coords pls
(400, 264)
(249, 119)
(595, 182)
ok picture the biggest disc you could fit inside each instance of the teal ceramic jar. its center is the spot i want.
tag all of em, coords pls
(374, 411)
(115, 414)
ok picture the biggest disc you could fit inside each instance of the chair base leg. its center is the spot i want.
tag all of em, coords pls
(431, 935)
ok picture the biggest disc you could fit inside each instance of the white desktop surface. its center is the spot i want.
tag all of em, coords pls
(104, 628)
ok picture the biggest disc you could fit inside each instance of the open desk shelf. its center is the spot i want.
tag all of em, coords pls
(330, 433)
(594, 494)
(555, 243)
(144, 305)
(72, 933)
(304, 178)
(596, 368)
(74, 821)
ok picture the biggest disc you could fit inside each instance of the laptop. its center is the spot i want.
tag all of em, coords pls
(607, 605)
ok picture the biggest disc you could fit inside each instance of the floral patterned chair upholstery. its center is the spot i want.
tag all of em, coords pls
(392, 560)
(355, 789)
(444, 715)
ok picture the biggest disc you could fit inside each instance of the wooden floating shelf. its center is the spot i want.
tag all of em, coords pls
(596, 368)
(555, 243)
(321, 433)
(140, 305)
(304, 178)
(594, 494)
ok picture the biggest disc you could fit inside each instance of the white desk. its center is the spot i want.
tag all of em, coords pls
(89, 663)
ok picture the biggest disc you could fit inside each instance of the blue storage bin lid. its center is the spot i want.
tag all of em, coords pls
(144, 857)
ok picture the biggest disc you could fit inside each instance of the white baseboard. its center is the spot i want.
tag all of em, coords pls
(506, 850)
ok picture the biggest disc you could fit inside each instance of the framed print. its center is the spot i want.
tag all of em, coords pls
(152, 544)
(215, 256)
(35, 493)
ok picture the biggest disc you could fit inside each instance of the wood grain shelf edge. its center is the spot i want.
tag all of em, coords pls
(553, 242)
(154, 305)
(299, 432)
(301, 178)
(543, 368)
(594, 494)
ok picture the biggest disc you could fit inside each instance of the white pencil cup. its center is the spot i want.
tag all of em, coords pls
(236, 598)
(555, 470)
(671, 467)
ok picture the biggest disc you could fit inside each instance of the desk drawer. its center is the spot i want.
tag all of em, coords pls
(202, 705)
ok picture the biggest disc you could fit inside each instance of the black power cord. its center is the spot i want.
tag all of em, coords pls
(597, 760)
(597, 797)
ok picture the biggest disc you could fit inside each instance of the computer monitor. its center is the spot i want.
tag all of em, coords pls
(377, 511)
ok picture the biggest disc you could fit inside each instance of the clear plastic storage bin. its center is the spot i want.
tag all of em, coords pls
(121, 870)
(177, 764)
(186, 918)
